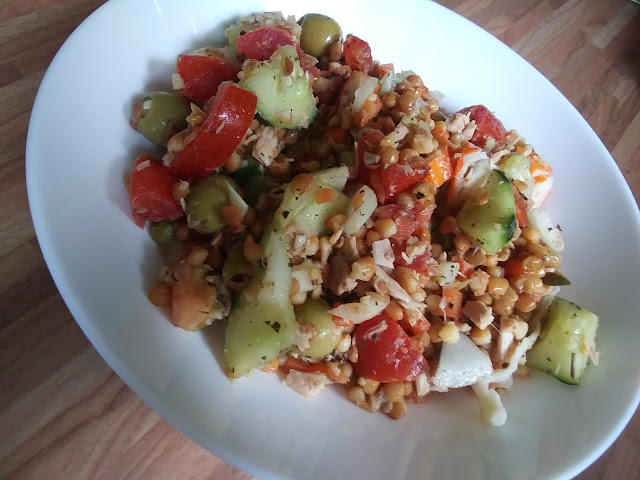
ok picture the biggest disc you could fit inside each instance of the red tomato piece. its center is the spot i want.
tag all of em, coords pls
(390, 211)
(202, 75)
(407, 220)
(405, 223)
(405, 226)
(385, 351)
(357, 54)
(261, 43)
(398, 178)
(422, 213)
(150, 191)
(487, 125)
(420, 264)
(370, 143)
(227, 122)
(513, 268)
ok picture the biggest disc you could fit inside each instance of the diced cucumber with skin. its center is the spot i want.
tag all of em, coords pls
(303, 210)
(293, 204)
(261, 325)
(233, 32)
(492, 223)
(312, 220)
(516, 166)
(335, 177)
(284, 101)
(566, 342)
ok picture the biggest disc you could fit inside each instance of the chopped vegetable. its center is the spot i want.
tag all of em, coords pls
(487, 125)
(150, 191)
(566, 343)
(261, 326)
(385, 352)
(227, 122)
(261, 43)
(491, 223)
(357, 54)
(202, 75)
(285, 98)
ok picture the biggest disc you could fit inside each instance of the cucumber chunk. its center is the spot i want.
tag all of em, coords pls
(516, 167)
(263, 325)
(301, 210)
(491, 224)
(285, 98)
(566, 341)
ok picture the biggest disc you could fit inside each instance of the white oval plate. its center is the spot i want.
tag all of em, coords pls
(80, 145)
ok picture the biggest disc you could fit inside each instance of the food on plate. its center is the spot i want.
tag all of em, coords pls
(349, 229)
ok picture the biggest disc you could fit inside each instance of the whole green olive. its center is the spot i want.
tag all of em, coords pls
(314, 314)
(162, 232)
(159, 116)
(318, 33)
(204, 202)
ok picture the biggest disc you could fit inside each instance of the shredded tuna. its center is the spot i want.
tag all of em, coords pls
(457, 122)
(339, 279)
(307, 384)
(267, 146)
(383, 253)
(384, 282)
(368, 307)
(375, 330)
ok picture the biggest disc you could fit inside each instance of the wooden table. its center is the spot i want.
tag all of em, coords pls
(63, 413)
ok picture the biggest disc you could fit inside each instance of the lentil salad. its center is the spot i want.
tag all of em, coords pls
(348, 229)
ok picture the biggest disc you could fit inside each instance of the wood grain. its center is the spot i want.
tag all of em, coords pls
(63, 413)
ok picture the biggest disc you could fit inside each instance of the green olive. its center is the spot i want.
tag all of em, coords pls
(159, 116)
(162, 231)
(315, 313)
(204, 202)
(318, 33)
